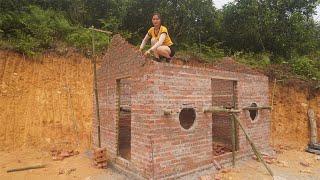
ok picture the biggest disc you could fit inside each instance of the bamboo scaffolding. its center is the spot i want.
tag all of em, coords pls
(72, 114)
(125, 108)
(255, 150)
(96, 86)
(233, 138)
(214, 109)
(257, 108)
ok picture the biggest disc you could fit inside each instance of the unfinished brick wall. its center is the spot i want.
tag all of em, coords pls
(160, 147)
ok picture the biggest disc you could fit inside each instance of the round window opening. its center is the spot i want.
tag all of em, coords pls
(253, 113)
(187, 116)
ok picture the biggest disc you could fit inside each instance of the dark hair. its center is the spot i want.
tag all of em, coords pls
(157, 14)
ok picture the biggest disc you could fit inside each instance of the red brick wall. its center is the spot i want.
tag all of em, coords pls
(157, 139)
(123, 62)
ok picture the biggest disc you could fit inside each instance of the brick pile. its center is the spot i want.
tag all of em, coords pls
(100, 157)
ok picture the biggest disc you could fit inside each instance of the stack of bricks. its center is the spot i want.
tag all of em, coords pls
(100, 157)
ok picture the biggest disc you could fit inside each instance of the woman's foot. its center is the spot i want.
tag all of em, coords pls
(157, 59)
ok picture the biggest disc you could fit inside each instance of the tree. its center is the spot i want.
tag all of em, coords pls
(283, 27)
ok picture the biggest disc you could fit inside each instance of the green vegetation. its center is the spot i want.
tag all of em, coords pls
(259, 33)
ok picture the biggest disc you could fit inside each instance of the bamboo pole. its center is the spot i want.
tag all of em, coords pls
(125, 109)
(233, 140)
(257, 108)
(313, 127)
(258, 154)
(167, 112)
(99, 30)
(72, 114)
(96, 86)
(213, 109)
(26, 168)
(273, 91)
(119, 112)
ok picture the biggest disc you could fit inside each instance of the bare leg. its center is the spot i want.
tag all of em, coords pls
(153, 42)
(161, 50)
(164, 51)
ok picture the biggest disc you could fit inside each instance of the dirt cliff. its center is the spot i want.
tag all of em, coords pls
(34, 103)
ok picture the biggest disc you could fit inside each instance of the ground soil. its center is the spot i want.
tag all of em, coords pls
(289, 163)
(36, 116)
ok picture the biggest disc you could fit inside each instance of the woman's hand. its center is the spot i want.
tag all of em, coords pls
(140, 51)
(147, 53)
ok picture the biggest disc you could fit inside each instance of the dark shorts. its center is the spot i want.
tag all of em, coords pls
(173, 50)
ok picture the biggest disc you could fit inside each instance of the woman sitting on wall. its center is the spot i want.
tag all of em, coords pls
(161, 44)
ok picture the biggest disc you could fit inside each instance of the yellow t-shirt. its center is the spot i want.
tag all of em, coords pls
(167, 41)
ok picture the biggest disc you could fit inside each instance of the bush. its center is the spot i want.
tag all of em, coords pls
(208, 53)
(33, 30)
(259, 60)
(82, 39)
(305, 67)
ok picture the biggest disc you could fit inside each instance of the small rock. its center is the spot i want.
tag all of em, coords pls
(70, 170)
(217, 176)
(61, 171)
(304, 104)
(225, 170)
(19, 161)
(57, 158)
(317, 157)
(305, 164)
(205, 178)
(64, 154)
(283, 163)
(278, 178)
(305, 171)
(269, 161)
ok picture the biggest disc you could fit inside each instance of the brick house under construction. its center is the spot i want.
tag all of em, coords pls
(153, 122)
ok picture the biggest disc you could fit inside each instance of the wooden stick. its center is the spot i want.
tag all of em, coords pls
(96, 86)
(273, 91)
(257, 108)
(72, 114)
(233, 140)
(258, 154)
(26, 168)
(99, 30)
(213, 109)
(167, 112)
(125, 109)
(313, 127)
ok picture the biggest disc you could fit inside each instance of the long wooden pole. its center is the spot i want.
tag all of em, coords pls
(313, 127)
(233, 140)
(252, 145)
(96, 86)
(257, 108)
(72, 114)
(26, 168)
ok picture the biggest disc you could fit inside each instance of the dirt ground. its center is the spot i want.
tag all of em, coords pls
(74, 167)
(288, 163)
